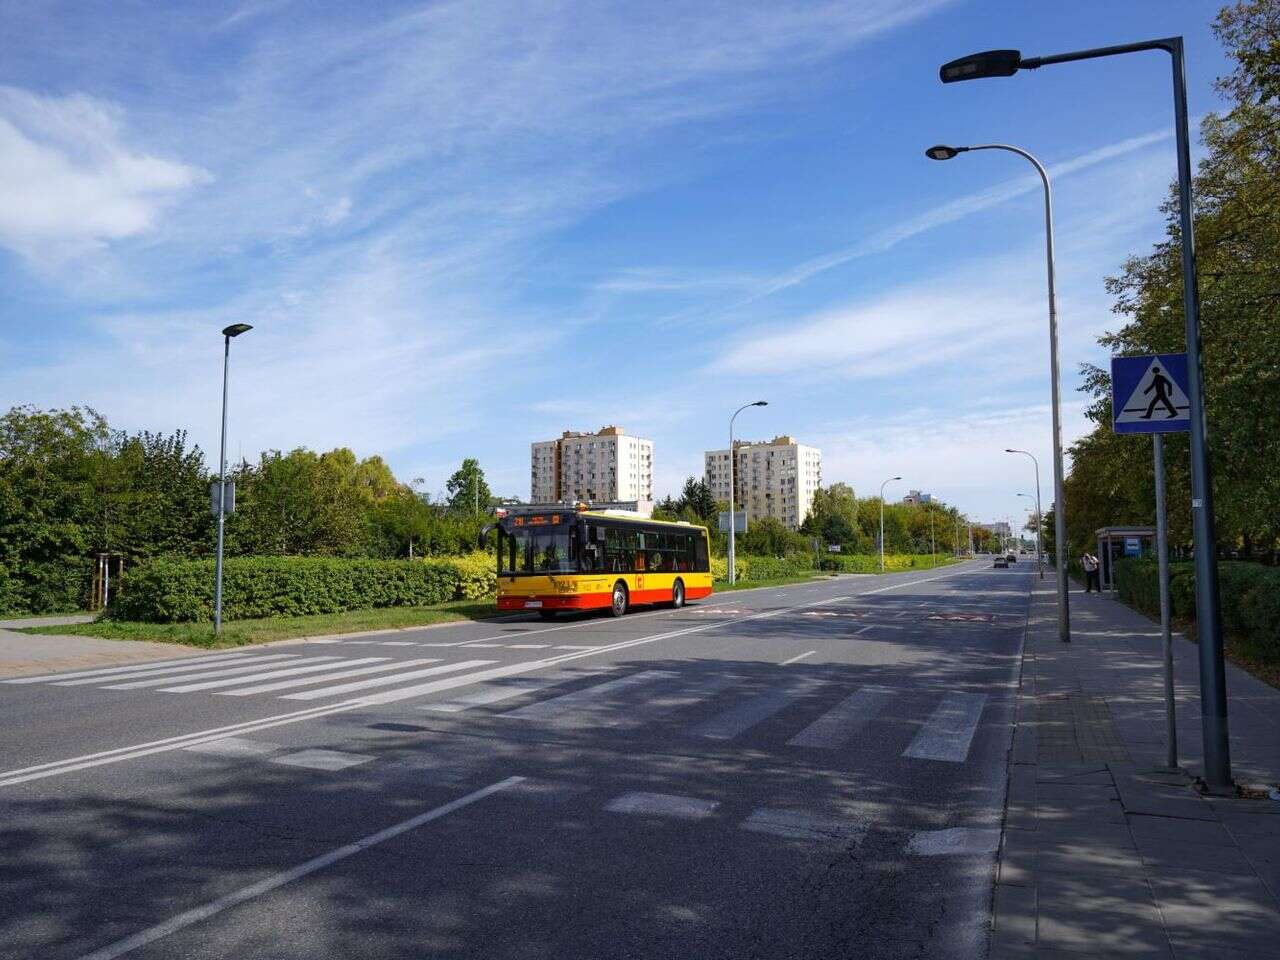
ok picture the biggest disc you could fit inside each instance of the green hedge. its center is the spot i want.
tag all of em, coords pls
(893, 562)
(175, 591)
(775, 568)
(1249, 595)
(6, 590)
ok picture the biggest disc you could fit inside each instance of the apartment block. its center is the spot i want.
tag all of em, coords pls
(773, 478)
(604, 466)
(915, 497)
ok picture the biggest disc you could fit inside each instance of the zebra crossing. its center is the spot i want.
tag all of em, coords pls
(817, 713)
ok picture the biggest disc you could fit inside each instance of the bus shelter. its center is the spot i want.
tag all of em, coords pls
(1117, 542)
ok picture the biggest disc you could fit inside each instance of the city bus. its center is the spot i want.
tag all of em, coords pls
(552, 559)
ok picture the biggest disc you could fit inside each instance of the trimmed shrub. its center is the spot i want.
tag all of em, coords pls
(893, 562)
(175, 591)
(478, 575)
(6, 590)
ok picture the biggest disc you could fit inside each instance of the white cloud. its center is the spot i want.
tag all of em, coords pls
(69, 183)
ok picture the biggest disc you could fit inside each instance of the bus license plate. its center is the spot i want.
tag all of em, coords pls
(532, 604)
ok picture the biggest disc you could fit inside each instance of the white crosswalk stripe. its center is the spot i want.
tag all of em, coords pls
(324, 677)
(218, 672)
(344, 688)
(948, 732)
(278, 659)
(131, 668)
(587, 699)
(265, 675)
(744, 716)
(494, 694)
(837, 726)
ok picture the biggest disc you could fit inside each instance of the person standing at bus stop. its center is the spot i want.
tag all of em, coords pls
(1090, 565)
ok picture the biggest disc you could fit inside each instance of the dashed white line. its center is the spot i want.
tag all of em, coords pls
(797, 659)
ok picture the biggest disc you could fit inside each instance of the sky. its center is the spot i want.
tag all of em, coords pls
(460, 227)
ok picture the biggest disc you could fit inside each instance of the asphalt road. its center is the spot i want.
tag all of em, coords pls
(812, 771)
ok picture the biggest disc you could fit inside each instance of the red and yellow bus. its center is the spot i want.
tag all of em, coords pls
(566, 559)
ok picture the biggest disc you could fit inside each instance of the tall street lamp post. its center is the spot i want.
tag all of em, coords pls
(1213, 682)
(1039, 514)
(232, 331)
(882, 486)
(733, 462)
(942, 152)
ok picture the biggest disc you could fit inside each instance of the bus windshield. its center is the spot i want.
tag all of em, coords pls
(537, 550)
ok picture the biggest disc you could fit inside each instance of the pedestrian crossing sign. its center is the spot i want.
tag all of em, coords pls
(1149, 394)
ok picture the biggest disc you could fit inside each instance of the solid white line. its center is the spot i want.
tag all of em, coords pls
(268, 675)
(200, 675)
(797, 659)
(384, 681)
(325, 677)
(119, 754)
(244, 894)
(130, 668)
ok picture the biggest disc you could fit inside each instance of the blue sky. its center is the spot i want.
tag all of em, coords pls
(460, 227)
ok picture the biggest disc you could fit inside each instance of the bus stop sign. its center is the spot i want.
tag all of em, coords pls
(1149, 394)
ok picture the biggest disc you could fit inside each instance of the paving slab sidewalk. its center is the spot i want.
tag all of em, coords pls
(28, 654)
(1102, 854)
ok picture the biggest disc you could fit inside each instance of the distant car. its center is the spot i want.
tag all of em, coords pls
(1001, 562)
(1012, 558)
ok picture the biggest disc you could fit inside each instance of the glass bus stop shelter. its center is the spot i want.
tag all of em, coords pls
(1117, 542)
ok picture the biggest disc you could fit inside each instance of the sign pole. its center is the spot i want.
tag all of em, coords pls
(1166, 633)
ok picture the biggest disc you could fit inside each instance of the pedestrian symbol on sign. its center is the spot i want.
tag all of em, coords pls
(1149, 394)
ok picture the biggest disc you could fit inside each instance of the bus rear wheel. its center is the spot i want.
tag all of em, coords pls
(677, 595)
(619, 604)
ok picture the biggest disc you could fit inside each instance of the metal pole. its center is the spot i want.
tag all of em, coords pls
(1059, 486)
(1166, 634)
(222, 492)
(733, 463)
(1213, 679)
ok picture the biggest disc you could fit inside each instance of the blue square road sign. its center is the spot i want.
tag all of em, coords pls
(1150, 394)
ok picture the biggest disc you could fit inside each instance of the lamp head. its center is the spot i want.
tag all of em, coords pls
(761, 403)
(941, 151)
(236, 329)
(989, 63)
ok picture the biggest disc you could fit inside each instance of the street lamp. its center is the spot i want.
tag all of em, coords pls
(882, 486)
(733, 461)
(228, 332)
(942, 152)
(1039, 549)
(1213, 682)
(1039, 514)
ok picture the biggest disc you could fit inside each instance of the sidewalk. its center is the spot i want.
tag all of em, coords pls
(1100, 854)
(28, 654)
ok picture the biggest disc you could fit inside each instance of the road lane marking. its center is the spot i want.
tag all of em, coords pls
(384, 681)
(746, 715)
(267, 675)
(244, 894)
(119, 754)
(235, 747)
(797, 659)
(663, 805)
(837, 726)
(955, 842)
(330, 760)
(949, 731)
(186, 662)
(489, 695)
(801, 825)
(150, 681)
(587, 698)
(324, 677)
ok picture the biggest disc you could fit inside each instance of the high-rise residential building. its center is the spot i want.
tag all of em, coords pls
(774, 478)
(608, 466)
(916, 497)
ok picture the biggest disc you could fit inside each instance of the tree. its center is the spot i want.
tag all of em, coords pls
(468, 492)
(1237, 221)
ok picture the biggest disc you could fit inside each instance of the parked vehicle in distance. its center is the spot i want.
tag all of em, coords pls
(1012, 558)
(1001, 562)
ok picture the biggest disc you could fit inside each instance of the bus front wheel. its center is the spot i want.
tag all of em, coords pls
(677, 595)
(619, 605)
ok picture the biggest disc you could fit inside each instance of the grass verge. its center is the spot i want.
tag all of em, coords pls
(723, 586)
(239, 633)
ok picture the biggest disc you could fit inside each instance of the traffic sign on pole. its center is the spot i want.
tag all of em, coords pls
(1149, 394)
